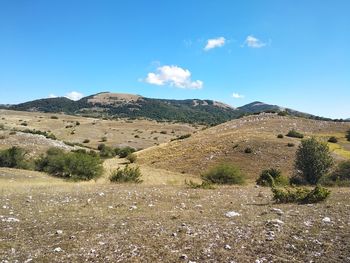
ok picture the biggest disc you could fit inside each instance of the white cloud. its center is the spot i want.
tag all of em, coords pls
(237, 96)
(173, 76)
(52, 96)
(254, 42)
(215, 42)
(74, 95)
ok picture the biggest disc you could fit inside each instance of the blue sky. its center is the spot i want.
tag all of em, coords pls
(293, 53)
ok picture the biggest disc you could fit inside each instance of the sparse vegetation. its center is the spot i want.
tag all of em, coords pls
(182, 137)
(280, 136)
(290, 144)
(24, 124)
(86, 141)
(224, 174)
(313, 160)
(54, 117)
(47, 135)
(124, 152)
(2, 126)
(294, 134)
(126, 175)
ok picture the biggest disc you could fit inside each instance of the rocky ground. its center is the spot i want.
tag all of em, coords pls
(43, 219)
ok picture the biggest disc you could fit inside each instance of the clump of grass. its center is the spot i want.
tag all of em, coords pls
(290, 144)
(300, 195)
(280, 136)
(24, 124)
(54, 117)
(294, 134)
(126, 175)
(86, 141)
(224, 174)
(2, 126)
(203, 185)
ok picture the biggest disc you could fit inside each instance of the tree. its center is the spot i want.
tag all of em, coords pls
(313, 160)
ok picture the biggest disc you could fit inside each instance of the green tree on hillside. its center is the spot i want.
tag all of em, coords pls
(313, 160)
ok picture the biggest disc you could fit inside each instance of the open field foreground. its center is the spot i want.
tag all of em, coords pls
(44, 219)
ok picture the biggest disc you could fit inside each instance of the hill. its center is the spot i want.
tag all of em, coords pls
(228, 141)
(118, 105)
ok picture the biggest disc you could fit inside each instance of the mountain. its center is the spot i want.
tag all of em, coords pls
(118, 105)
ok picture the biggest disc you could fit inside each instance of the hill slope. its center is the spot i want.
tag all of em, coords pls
(228, 141)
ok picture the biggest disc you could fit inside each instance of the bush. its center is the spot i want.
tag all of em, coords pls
(224, 174)
(290, 144)
(47, 135)
(79, 165)
(339, 177)
(77, 123)
(126, 175)
(271, 177)
(347, 136)
(107, 152)
(181, 137)
(294, 134)
(313, 160)
(203, 185)
(104, 139)
(86, 141)
(280, 136)
(300, 195)
(24, 124)
(131, 157)
(2, 126)
(124, 152)
(248, 150)
(13, 157)
(54, 117)
(333, 139)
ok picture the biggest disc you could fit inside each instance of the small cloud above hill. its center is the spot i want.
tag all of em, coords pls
(74, 95)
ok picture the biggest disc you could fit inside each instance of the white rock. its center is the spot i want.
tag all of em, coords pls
(232, 214)
(277, 211)
(57, 249)
(326, 220)
(133, 207)
(101, 194)
(59, 232)
(228, 247)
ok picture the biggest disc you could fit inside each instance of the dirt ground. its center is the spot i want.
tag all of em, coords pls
(44, 219)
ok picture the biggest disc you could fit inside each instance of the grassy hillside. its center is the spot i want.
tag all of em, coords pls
(228, 142)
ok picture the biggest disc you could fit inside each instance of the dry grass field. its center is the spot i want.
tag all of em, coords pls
(44, 219)
(227, 143)
(134, 133)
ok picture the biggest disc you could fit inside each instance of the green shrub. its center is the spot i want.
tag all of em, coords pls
(86, 141)
(313, 160)
(47, 135)
(294, 134)
(104, 139)
(280, 136)
(248, 150)
(271, 177)
(282, 113)
(123, 152)
(224, 174)
(290, 144)
(78, 165)
(300, 194)
(54, 117)
(2, 126)
(333, 139)
(203, 185)
(24, 124)
(77, 123)
(347, 136)
(131, 157)
(126, 175)
(339, 177)
(13, 157)
(182, 137)
(107, 152)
